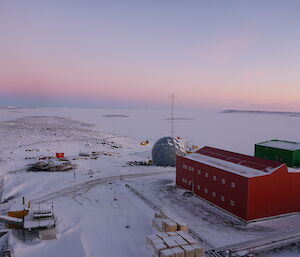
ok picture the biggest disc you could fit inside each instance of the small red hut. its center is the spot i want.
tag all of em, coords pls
(60, 155)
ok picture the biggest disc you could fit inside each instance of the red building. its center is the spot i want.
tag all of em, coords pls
(248, 187)
(60, 155)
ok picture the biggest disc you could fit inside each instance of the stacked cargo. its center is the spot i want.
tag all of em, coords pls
(175, 244)
(166, 221)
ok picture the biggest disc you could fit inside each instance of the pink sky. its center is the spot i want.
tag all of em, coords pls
(207, 55)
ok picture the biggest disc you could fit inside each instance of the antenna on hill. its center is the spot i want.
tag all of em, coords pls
(172, 116)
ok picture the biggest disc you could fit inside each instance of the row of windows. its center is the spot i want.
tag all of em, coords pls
(190, 168)
(214, 194)
(214, 177)
(184, 180)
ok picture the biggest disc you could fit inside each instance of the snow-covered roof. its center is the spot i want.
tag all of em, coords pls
(30, 222)
(41, 207)
(293, 170)
(17, 205)
(243, 165)
(228, 166)
(9, 219)
(287, 145)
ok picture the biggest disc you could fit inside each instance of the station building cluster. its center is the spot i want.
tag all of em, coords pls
(248, 187)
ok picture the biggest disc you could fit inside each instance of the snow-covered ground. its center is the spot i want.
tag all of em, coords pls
(216, 226)
(93, 206)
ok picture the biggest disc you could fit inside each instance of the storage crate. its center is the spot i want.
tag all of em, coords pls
(189, 251)
(178, 252)
(199, 251)
(157, 248)
(167, 253)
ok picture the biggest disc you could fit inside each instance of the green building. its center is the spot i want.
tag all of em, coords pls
(279, 150)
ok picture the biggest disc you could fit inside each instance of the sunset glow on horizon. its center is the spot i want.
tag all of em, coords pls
(212, 54)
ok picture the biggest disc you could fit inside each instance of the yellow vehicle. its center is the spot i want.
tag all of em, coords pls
(146, 142)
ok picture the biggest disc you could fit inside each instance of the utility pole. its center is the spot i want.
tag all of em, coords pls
(127, 224)
(23, 218)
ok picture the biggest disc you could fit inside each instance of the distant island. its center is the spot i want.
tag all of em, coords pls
(179, 118)
(116, 116)
(294, 114)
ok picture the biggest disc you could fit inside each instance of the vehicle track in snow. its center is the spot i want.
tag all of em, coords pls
(82, 187)
(104, 141)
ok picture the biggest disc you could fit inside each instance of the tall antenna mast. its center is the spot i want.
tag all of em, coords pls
(172, 117)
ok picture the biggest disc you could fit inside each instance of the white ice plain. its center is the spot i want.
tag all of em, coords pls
(97, 215)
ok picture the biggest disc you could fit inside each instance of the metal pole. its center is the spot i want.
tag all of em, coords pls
(40, 214)
(23, 218)
(172, 118)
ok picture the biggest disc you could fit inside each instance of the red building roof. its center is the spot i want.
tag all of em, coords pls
(241, 164)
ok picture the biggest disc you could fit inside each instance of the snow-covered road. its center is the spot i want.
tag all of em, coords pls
(84, 186)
